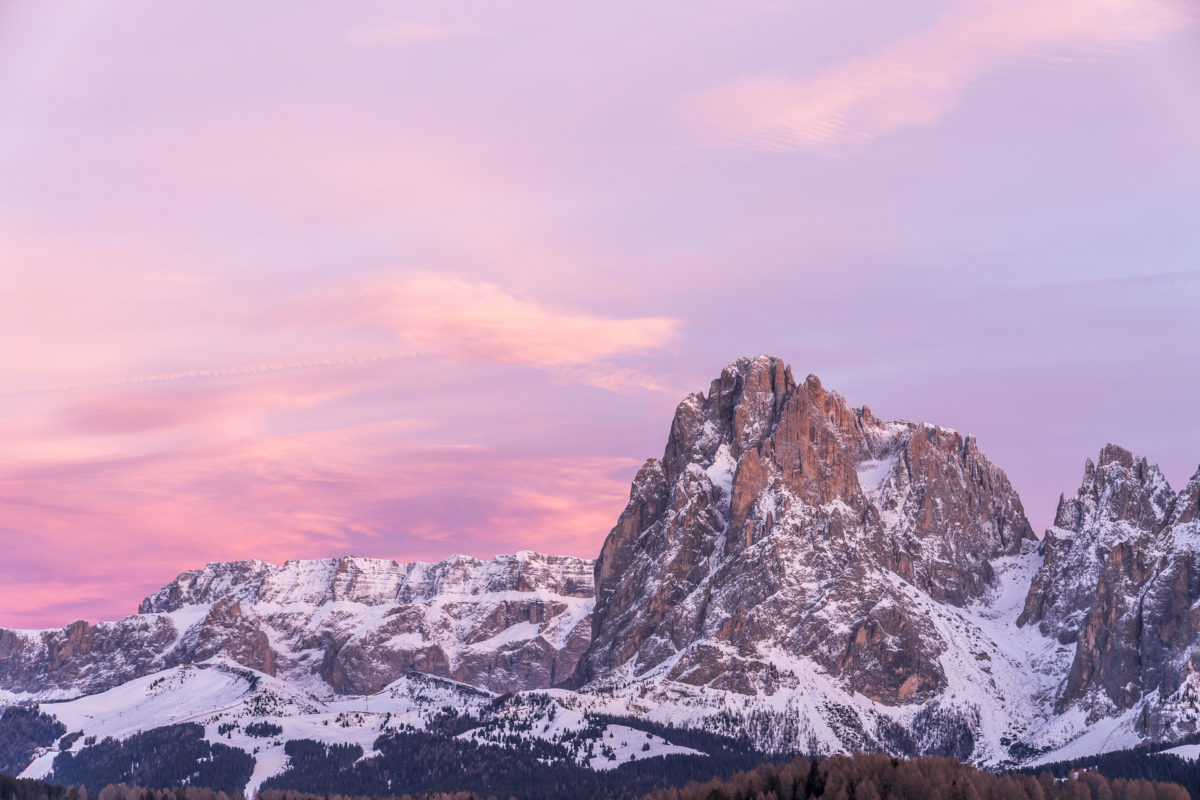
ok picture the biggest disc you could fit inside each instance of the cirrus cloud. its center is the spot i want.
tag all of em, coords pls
(479, 321)
(367, 490)
(918, 79)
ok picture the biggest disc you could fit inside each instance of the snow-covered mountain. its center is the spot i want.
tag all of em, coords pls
(236, 707)
(514, 622)
(783, 520)
(793, 572)
(1120, 584)
(829, 580)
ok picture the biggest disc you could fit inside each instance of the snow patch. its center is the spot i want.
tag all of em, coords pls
(722, 470)
(1188, 752)
(874, 473)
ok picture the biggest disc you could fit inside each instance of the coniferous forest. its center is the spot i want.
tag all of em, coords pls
(23, 730)
(1135, 764)
(1129, 776)
(417, 762)
(176, 755)
(179, 764)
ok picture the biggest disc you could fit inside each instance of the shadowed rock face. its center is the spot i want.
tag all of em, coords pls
(782, 523)
(83, 658)
(1120, 580)
(512, 623)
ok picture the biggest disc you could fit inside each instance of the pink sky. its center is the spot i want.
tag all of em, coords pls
(405, 280)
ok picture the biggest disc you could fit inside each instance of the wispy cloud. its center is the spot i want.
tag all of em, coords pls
(918, 79)
(386, 455)
(249, 370)
(410, 32)
(622, 380)
(483, 322)
(369, 490)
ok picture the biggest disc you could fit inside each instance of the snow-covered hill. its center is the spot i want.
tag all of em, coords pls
(259, 714)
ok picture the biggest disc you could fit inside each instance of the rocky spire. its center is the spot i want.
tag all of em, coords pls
(1121, 499)
(782, 519)
(1120, 580)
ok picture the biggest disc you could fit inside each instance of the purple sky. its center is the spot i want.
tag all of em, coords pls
(402, 280)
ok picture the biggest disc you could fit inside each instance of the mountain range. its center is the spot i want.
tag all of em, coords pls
(793, 573)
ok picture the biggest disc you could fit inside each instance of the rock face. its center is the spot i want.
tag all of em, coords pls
(1121, 580)
(512, 623)
(783, 524)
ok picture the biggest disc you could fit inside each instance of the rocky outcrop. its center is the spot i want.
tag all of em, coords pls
(83, 658)
(1122, 501)
(1121, 580)
(514, 622)
(783, 523)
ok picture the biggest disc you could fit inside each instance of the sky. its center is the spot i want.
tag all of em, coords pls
(403, 280)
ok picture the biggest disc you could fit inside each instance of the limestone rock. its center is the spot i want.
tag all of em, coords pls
(1121, 580)
(782, 520)
(512, 623)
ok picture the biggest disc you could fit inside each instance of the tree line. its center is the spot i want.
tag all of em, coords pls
(411, 763)
(879, 777)
(23, 729)
(1140, 763)
(162, 757)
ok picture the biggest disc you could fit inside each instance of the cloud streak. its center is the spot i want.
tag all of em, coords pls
(371, 490)
(482, 322)
(203, 374)
(918, 79)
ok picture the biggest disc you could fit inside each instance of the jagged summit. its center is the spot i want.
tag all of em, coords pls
(782, 518)
(372, 581)
(1121, 499)
(1120, 581)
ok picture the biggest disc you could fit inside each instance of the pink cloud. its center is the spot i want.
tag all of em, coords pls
(623, 380)
(918, 79)
(482, 322)
(121, 476)
(369, 490)
(107, 492)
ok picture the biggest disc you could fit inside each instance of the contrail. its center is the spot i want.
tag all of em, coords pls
(230, 372)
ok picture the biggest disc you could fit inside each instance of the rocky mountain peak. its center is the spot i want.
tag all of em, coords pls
(1121, 500)
(1120, 488)
(781, 518)
(1187, 503)
(792, 569)
(1119, 579)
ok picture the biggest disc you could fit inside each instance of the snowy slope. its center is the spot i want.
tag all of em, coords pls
(561, 718)
(227, 698)
(222, 694)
